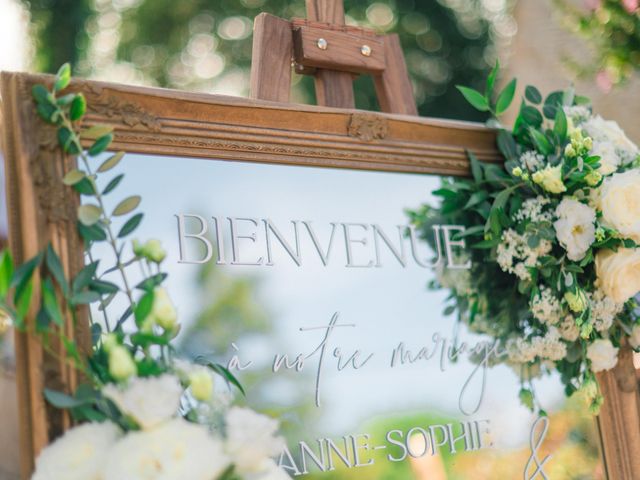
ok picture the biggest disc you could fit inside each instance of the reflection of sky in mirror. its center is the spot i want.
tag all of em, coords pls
(388, 305)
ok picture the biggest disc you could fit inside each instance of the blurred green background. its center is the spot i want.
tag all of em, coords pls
(205, 45)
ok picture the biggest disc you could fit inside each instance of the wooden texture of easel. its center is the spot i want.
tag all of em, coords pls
(324, 47)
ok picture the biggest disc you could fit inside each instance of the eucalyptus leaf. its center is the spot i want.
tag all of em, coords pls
(54, 265)
(96, 131)
(130, 225)
(40, 93)
(78, 107)
(100, 145)
(50, 302)
(74, 176)
(84, 298)
(127, 205)
(111, 162)
(113, 184)
(84, 277)
(89, 214)
(63, 77)
(532, 94)
(62, 400)
(93, 233)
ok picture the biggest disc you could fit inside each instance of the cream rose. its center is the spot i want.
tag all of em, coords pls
(603, 355)
(607, 130)
(620, 203)
(619, 273)
(609, 159)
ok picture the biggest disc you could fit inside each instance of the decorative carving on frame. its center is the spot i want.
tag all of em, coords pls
(368, 127)
(129, 113)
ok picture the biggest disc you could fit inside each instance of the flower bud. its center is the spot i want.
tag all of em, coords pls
(516, 172)
(569, 151)
(600, 234)
(525, 177)
(201, 384)
(138, 248)
(588, 143)
(577, 301)
(163, 312)
(593, 178)
(121, 364)
(109, 341)
(153, 251)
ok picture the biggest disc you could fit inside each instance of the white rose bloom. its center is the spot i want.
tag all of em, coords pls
(603, 355)
(251, 439)
(175, 450)
(575, 227)
(620, 203)
(618, 273)
(634, 339)
(608, 130)
(609, 159)
(149, 401)
(270, 471)
(80, 454)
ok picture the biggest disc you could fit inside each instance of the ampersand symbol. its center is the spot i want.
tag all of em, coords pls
(535, 443)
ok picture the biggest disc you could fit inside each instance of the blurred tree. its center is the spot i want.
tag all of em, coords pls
(205, 45)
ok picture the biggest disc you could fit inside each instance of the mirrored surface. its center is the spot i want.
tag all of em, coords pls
(310, 286)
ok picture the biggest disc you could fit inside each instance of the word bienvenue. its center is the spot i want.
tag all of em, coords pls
(235, 241)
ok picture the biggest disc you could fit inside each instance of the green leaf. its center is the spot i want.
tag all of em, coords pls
(475, 199)
(130, 225)
(560, 125)
(127, 205)
(89, 214)
(507, 145)
(506, 97)
(50, 302)
(85, 187)
(532, 94)
(96, 131)
(100, 145)
(63, 77)
(78, 107)
(54, 265)
(103, 287)
(476, 167)
(475, 98)
(24, 272)
(74, 176)
(531, 116)
(491, 80)
(47, 112)
(152, 282)
(40, 93)
(96, 333)
(84, 298)
(486, 244)
(94, 233)
(23, 298)
(226, 374)
(62, 400)
(65, 99)
(84, 277)
(568, 96)
(111, 162)
(6, 272)
(143, 308)
(65, 139)
(502, 198)
(541, 141)
(113, 184)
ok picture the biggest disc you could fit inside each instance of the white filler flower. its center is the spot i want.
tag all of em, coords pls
(80, 454)
(251, 440)
(603, 355)
(575, 227)
(176, 450)
(149, 401)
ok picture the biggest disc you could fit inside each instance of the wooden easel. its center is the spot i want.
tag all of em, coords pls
(325, 47)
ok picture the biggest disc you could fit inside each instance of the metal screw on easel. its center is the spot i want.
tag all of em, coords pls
(365, 50)
(322, 44)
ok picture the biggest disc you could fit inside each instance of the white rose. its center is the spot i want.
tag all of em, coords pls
(603, 355)
(80, 454)
(149, 401)
(175, 450)
(575, 227)
(634, 339)
(618, 273)
(609, 159)
(620, 203)
(251, 440)
(270, 471)
(601, 129)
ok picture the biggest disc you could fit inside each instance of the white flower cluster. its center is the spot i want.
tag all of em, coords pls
(515, 254)
(532, 160)
(546, 347)
(533, 209)
(546, 307)
(568, 329)
(167, 447)
(603, 310)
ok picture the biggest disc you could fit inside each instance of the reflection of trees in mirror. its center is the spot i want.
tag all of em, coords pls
(232, 309)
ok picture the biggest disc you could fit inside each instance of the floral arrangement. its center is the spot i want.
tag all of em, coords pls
(553, 236)
(612, 27)
(143, 413)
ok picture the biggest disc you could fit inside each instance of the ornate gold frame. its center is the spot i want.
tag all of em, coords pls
(167, 122)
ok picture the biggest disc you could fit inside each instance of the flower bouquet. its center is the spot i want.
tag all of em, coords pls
(553, 236)
(142, 412)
